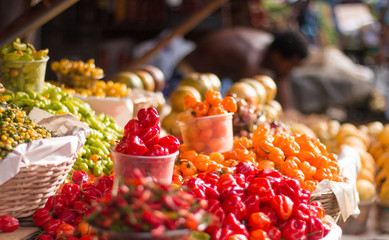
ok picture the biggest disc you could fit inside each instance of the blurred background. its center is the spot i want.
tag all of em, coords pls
(348, 41)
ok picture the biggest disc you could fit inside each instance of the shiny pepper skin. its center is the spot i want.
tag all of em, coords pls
(315, 229)
(55, 204)
(235, 225)
(41, 217)
(52, 226)
(8, 223)
(80, 177)
(157, 150)
(295, 229)
(283, 206)
(148, 117)
(134, 145)
(132, 128)
(150, 136)
(170, 142)
(70, 193)
(234, 204)
(65, 229)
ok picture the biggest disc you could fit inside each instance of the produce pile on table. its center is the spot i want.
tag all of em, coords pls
(93, 158)
(16, 128)
(253, 184)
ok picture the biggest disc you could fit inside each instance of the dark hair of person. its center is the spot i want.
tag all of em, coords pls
(290, 44)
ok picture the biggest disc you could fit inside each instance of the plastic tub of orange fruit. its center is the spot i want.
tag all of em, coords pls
(208, 134)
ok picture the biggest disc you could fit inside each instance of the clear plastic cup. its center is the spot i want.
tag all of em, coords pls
(208, 134)
(23, 75)
(160, 168)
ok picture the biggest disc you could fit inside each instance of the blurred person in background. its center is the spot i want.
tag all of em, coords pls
(240, 52)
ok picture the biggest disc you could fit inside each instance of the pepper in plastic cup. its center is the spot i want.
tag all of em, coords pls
(160, 168)
(17, 75)
(208, 134)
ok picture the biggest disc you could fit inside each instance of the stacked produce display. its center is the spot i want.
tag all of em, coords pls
(215, 167)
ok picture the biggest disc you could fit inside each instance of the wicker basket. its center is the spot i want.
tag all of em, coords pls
(330, 203)
(30, 188)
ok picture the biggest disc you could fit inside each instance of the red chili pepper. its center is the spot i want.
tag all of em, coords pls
(252, 204)
(227, 191)
(104, 182)
(80, 207)
(51, 227)
(226, 180)
(315, 229)
(291, 188)
(246, 168)
(170, 142)
(283, 206)
(211, 191)
(240, 180)
(318, 208)
(86, 238)
(42, 217)
(45, 237)
(271, 213)
(135, 146)
(68, 216)
(79, 219)
(295, 229)
(259, 234)
(212, 178)
(157, 150)
(148, 117)
(273, 176)
(80, 177)
(55, 204)
(70, 193)
(259, 220)
(217, 211)
(133, 127)
(8, 223)
(261, 187)
(150, 136)
(233, 223)
(302, 212)
(65, 230)
(214, 231)
(305, 197)
(274, 233)
(197, 186)
(233, 204)
(226, 233)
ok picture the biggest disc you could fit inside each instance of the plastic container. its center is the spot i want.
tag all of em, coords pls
(357, 225)
(208, 134)
(160, 168)
(181, 234)
(23, 75)
(77, 81)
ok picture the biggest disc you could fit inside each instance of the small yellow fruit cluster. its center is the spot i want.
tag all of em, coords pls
(87, 69)
(102, 89)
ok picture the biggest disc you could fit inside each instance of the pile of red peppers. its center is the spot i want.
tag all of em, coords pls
(258, 204)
